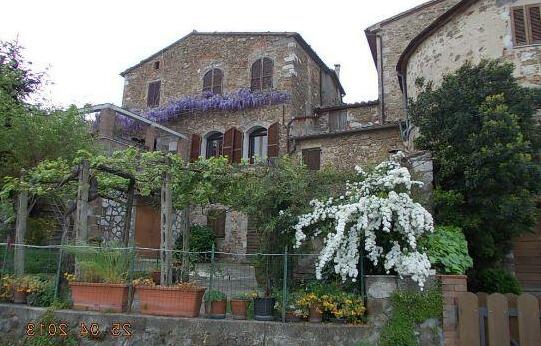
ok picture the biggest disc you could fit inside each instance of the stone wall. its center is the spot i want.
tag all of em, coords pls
(367, 146)
(396, 33)
(156, 330)
(481, 31)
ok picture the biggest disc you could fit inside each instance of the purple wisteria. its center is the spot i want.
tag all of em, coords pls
(242, 99)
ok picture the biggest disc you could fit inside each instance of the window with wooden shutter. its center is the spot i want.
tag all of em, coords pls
(212, 81)
(261, 72)
(153, 95)
(232, 147)
(337, 121)
(312, 158)
(256, 144)
(216, 221)
(195, 149)
(273, 134)
(526, 24)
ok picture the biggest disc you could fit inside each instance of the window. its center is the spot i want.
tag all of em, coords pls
(156, 65)
(262, 74)
(337, 121)
(257, 144)
(312, 158)
(216, 221)
(212, 81)
(215, 144)
(526, 24)
(153, 95)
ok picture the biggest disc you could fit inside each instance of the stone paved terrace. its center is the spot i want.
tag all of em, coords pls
(155, 330)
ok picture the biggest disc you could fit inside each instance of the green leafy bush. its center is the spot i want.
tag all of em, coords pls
(498, 280)
(409, 309)
(201, 238)
(40, 230)
(447, 250)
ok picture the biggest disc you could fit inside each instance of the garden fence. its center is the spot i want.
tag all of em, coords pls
(233, 274)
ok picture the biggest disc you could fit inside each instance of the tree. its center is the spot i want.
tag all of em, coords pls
(31, 133)
(485, 142)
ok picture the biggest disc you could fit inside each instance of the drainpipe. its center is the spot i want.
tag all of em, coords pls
(379, 47)
(403, 83)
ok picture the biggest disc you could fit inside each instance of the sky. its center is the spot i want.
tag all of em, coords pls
(84, 45)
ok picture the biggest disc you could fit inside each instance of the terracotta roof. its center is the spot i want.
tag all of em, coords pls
(294, 35)
(370, 32)
(348, 132)
(346, 106)
(443, 19)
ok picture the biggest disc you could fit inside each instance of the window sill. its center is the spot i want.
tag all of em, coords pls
(527, 46)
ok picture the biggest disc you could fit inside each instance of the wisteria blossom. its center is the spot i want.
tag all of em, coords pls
(379, 205)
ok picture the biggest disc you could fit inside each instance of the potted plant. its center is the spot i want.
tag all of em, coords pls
(344, 307)
(181, 299)
(23, 286)
(239, 306)
(264, 306)
(215, 304)
(447, 250)
(100, 280)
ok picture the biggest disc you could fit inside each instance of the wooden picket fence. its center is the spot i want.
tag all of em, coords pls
(498, 319)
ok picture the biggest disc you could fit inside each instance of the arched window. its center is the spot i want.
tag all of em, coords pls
(212, 81)
(257, 144)
(262, 74)
(215, 143)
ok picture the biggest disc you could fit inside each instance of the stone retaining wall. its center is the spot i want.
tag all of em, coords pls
(155, 330)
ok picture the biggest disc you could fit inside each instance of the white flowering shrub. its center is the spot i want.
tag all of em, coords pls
(377, 213)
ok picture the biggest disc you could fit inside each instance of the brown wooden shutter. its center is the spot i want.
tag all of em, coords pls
(229, 137)
(256, 75)
(312, 158)
(153, 96)
(207, 81)
(195, 149)
(273, 148)
(519, 26)
(237, 147)
(217, 81)
(535, 23)
(266, 82)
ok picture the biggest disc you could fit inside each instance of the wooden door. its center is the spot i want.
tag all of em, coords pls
(147, 230)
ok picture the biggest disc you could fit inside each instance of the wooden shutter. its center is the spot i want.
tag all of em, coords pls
(216, 221)
(229, 137)
(237, 147)
(256, 75)
(519, 26)
(207, 81)
(534, 13)
(195, 149)
(153, 96)
(217, 76)
(312, 158)
(266, 82)
(273, 148)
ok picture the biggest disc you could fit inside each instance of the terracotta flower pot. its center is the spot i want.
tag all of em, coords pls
(19, 297)
(239, 309)
(316, 315)
(291, 317)
(216, 309)
(170, 301)
(99, 296)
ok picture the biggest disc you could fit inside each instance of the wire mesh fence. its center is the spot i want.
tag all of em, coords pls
(232, 275)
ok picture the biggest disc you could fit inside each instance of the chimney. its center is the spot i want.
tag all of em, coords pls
(337, 70)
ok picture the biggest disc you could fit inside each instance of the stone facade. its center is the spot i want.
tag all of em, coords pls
(481, 31)
(346, 149)
(387, 40)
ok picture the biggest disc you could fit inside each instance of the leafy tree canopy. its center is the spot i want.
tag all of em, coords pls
(480, 126)
(31, 133)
